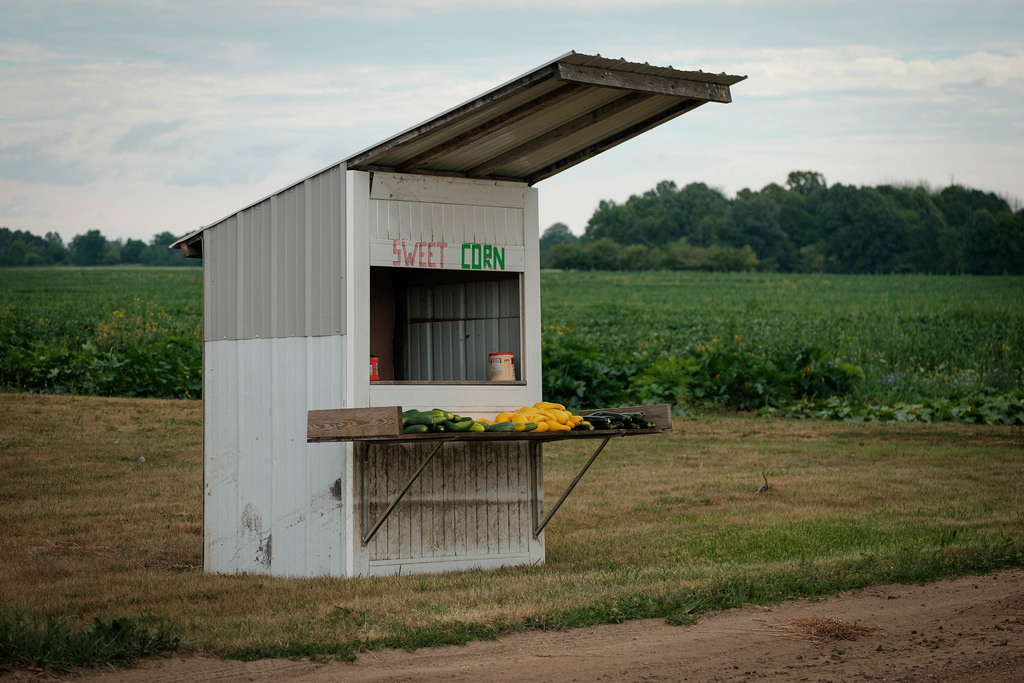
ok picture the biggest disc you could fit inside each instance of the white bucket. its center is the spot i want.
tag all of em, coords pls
(502, 367)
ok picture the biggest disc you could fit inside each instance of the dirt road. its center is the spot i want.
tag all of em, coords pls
(965, 630)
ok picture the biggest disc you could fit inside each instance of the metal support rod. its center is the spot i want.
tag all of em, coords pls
(365, 451)
(554, 509)
(368, 535)
(533, 464)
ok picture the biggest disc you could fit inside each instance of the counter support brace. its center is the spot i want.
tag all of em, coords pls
(558, 504)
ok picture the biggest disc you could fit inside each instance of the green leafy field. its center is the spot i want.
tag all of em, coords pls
(854, 346)
(102, 331)
(906, 348)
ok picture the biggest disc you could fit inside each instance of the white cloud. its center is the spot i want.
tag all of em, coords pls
(780, 72)
(116, 116)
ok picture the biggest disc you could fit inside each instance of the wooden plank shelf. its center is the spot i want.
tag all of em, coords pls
(385, 424)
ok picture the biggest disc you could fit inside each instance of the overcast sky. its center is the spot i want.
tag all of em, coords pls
(144, 116)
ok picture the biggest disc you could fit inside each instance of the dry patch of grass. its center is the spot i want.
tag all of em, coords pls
(101, 501)
(825, 631)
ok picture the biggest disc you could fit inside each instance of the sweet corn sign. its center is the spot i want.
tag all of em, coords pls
(471, 256)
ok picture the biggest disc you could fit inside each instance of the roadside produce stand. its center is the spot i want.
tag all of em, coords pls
(383, 426)
(407, 274)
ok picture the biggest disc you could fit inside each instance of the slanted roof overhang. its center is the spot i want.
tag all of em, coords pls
(547, 120)
(539, 124)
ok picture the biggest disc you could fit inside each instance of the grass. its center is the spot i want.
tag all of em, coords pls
(41, 644)
(101, 501)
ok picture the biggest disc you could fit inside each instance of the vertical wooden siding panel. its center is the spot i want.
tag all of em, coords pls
(482, 493)
(375, 491)
(518, 494)
(393, 223)
(472, 500)
(373, 219)
(406, 218)
(437, 219)
(408, 513)
(394, 472)
(425, 226)
(494, 501)
(455, 234)
(457, 518)
(500, 499)
(444, 529)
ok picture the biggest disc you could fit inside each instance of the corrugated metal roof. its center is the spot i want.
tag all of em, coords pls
(541, 123)
(547, 120)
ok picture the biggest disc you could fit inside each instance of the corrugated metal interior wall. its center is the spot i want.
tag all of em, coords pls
(453, 327)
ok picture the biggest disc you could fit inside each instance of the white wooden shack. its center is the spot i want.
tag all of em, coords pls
(422, 251)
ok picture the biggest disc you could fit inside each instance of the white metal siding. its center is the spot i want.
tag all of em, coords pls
(274, 504)
(416, 208)
(454, 224)
(277, 268)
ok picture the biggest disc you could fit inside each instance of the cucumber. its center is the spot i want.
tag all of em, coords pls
(502, 427)
(462, 426)
(416, 429)
(425, 417)
(441, 415)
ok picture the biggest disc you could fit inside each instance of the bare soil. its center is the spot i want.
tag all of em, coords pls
(968, 629)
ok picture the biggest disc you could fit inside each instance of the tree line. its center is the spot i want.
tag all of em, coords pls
(806, 226)
(20, 248)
